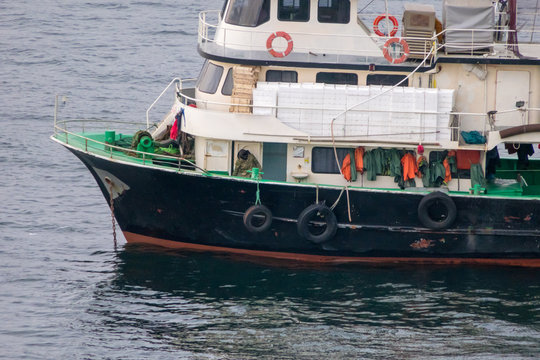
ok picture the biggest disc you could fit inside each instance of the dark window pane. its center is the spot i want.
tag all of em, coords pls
(334, 11)
(337, 78)
(228, 84)
(293, 10)
(224, 8)
(248, 12)
(209, 78)
(386, 79)
(324, 160)
(281, 76)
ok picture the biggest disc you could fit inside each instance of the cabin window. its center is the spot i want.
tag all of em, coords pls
(334, 11)
(228, 84)
(225, 3)
(248, 12)
(293, 10)
(324, 160)
(281, 76)
(386, 79)
(337, 78)
(209, 78)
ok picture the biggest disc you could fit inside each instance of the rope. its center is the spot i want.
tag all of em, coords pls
(258, 195)
(348, 203)
(337, 201)
(364, 8)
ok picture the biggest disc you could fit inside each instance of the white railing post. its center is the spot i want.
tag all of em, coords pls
(155, 101)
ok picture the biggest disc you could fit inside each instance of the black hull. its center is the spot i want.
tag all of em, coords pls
(187, 210)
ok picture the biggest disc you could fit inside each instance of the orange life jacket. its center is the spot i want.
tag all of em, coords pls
(410, 168)
(358, 162)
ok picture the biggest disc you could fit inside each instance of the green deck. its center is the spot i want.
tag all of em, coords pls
(95, 143)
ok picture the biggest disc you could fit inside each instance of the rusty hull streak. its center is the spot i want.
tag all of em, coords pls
(422, 244)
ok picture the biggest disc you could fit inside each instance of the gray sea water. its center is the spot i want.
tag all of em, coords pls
(65, 293)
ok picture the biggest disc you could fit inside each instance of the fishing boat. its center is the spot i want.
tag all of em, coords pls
(317, 131)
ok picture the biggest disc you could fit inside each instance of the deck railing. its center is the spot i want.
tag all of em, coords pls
(220, 41)
(76, 133)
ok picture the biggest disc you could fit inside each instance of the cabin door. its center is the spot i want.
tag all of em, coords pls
(512, 87)
(275, 161)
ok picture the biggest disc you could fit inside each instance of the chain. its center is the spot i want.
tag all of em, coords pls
(112, 215)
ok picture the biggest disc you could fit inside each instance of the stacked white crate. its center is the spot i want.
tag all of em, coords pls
(334, 103)
(311, 107)
(430, 120)
(288, 100)
(311, 115)
(357, 118)
(445, 105)
(400, 121)
(264, 96)
(379, 118)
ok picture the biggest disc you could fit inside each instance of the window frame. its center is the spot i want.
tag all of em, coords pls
(329, 158)
(203, 74)
(388, 76)
(281, 72)
(337, 12)
(231, 3)
(280, 2)
(336, 73)
(228, 78)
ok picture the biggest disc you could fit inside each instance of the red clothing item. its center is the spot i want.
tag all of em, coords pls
(410, 169)
(174, 130)
(358, 162)
(359, 159)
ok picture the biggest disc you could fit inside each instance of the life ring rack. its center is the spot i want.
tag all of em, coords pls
(271, 39)
(381, 18)
(404, 46)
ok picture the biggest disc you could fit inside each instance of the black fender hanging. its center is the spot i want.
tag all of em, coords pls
(437, 211)
(257, 218)
(324, 220)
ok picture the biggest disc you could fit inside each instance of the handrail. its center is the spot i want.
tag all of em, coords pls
(118, 148)
(157, 99)
(213, 44)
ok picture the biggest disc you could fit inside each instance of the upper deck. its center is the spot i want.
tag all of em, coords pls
(335, 34)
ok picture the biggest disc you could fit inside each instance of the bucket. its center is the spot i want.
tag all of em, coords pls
(110, 138)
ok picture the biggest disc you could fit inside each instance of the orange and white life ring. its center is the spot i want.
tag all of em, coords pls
(381, 18)
(404, 46)
(275, 53)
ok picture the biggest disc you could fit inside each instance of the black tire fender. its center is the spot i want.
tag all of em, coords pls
(443, 200)
(254, 212)
(308, 215)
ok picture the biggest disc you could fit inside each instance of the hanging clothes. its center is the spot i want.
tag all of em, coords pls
(355, 157)
(394, 158)
(348, 171)
(477, 175)
(437, 173)
(359, 159)
(410, 168)
(380, 161)
(492, 161)
(524, 151)
(370, 166)
(423, 170)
